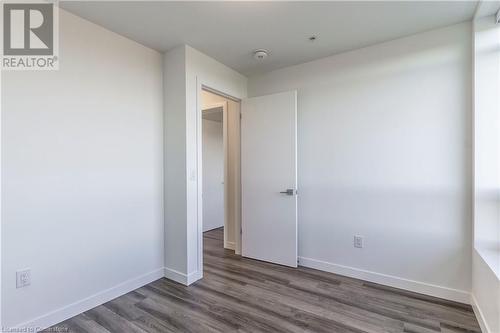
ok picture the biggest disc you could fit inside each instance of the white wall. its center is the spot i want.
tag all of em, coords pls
(174, 115)
(82, 202)
(202, 70)
(213, 175)
(487, 141)
(486, 265)
(384, 151)
(183, 241)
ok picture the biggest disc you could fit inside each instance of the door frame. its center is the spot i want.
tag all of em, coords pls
(200, 86)
(224, 107)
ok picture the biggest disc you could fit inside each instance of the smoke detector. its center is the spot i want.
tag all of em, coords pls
(260, 54)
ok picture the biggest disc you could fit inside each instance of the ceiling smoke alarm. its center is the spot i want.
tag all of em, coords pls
(260, 54)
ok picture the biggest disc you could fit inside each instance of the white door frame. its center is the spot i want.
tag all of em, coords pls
(224, 107)
(200, 85)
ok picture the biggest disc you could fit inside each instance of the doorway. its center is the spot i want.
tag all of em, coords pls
(214, 166)
(260, 184)
(220, 169)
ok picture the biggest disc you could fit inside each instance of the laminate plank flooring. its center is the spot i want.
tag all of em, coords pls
(244, 295)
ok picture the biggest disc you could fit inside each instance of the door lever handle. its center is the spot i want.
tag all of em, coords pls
(289, 191)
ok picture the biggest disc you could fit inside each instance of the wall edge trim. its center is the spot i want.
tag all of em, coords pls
(479, 314)
(63, 313)
(388, 280)
(182, 278)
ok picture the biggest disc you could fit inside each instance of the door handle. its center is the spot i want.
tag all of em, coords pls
(289, 191)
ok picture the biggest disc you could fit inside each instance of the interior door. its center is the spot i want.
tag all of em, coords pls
(269, 178)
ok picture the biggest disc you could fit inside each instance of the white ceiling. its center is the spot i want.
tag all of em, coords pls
(230, 31)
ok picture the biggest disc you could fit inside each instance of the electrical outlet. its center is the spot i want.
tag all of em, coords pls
(23, 278)
(358, 241)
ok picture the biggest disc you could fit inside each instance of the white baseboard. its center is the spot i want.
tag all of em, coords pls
(71, 310)
(479, 315)
(230, 245)
(193, 277)
(389, 280)
(185, 279)
(64, 313)
(176, 276)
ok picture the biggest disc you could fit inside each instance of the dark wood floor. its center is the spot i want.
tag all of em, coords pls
(243, 295)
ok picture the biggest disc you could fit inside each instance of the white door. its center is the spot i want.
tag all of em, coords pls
(269, 178)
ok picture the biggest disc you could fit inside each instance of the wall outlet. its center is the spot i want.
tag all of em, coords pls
(358, 241)
(23, 278)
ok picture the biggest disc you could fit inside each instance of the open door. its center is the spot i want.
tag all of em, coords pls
(269, 178)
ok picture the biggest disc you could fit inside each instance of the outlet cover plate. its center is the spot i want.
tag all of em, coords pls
(358, 241)
(23, 278)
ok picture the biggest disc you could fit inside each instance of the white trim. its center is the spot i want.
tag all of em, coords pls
(237, 184)
(185, 279)
(225, 144)
(479, 315)
(199, 180)
(193, 277)
(388, 280)
(174, 275)
(229, 245)
(73, 309)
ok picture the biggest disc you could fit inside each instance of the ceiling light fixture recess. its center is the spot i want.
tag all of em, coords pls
(260, 54)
